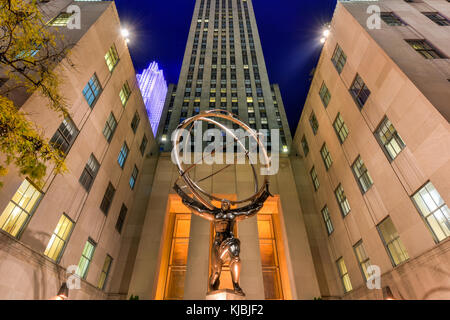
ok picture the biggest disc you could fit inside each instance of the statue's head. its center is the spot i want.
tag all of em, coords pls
(226, 205)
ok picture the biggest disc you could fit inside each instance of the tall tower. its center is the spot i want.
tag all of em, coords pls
(154, 90)
(224, 68)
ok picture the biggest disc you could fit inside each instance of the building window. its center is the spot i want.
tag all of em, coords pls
(315, 178)
(135, 122)
(391, 239)
(105, 272)
(425, 49)
(65, 136)
(86, 258)
(112, 57)
(62, 20)
(341, 128)
(20, 209)
(125, 93)
(363, 259)
(325, 95)
(326, 156)
(143, 145)
(110, 127)
(327, 220)
(362, 175)
(390, 139)
(391, 19)
(339, 59)
(343, 274)
(437, 18)
(92, 91)
(314, 123)
(121, 219)
(359, 91)
(59, 239)
(305, 146)
(133, 178)
(89, 173)
(107, 199)
(342, 200)
(434, 211)
(123, 154)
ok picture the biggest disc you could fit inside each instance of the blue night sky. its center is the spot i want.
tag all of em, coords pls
(289, 29)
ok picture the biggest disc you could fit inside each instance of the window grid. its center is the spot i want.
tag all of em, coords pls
(143, 145)
(315, 179)
(327, 220)
(363, 259)
(362, 175)
(434, 211)
(425, 49)
(89, 173)
(59, 239)
(65, 136)
(359, 91)
(305, 146)
(62, 20)
(20, 209)
(339, 59)
(135, 122)
(123, 154)
(107, 199)
(437, 18)
(105, 272)
(391, 19)
(86, 258)
(121, 219)
(92, 90)
(125, 93)
(340, 128)
(390, 139)
(326, 156)
(343, 274)
(397, 252)
(133, 178)
(112, 58)
(314, 123)
(342, 200)
(110, 127)
(325, 95)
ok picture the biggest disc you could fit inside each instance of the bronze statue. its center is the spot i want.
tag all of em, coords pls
(226, 247)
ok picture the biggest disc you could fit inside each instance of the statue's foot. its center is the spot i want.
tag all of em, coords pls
(238, 290)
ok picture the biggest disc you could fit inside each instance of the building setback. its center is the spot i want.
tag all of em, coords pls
(373, 150)
(154, 91)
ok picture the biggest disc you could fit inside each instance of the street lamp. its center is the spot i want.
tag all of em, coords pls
(63, 293)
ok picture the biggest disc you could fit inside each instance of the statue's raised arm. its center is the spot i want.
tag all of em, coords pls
(197, 207)
(253, 208)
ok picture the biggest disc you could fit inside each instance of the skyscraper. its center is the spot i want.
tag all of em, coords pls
(224, 68)
(154, 90)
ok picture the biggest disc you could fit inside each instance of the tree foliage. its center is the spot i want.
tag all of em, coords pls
(29, 52)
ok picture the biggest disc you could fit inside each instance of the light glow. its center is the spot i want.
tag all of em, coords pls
(125, 33)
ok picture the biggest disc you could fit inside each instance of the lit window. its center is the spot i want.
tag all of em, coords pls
(123, 154)
(20, 209)
(89, 173)
(59, 238)
(343, 274)
(437, 18)
(390, 139)
(314, 123)
(326, 157)
(92, 90)
(62, 20)
(112, 58)
(341, 128)
(315, 179)
(110, 127)
(105, 272)
(134, 177)
(362, 175)
(339, 59)
(363, 259)
(125, 93)
(342, 200)
(359, 91)
(121, 219)
(305, 146)
(425, 49)
(107, 199)
(327, 220)
(65, 136)
(434, 211)
(391, 240)
(325, 95)
(391, 19)
(86, 258)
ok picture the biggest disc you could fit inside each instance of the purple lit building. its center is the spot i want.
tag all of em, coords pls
(154, 90)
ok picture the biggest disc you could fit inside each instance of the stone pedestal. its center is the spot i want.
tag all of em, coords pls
(225, 294)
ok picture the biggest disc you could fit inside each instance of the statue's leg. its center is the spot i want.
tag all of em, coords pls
(235, 265)
(216, 268)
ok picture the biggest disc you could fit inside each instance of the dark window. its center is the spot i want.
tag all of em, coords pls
(143, 145)
(89, 173)
(121, 219)
(325, 95)
(135, 122)
(314, 123)
(110, 127)
(437, 18)
(107, 199)
(65, 136)
(425, 49)
(391, 19)
(305, 146)
(92, 90)
(359, 91)
(339, 58)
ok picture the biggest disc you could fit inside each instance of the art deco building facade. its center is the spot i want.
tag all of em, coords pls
(154, 91)
(85, 217)
(224, 68)
(373, 150)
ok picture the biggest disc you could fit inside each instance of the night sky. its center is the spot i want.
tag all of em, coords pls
(289, 29)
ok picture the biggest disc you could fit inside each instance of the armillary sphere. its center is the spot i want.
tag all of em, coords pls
(213, 117)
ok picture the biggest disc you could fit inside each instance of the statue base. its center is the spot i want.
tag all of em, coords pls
(224, 294)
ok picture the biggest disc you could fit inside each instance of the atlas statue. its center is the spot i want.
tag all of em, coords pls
(226, 246)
